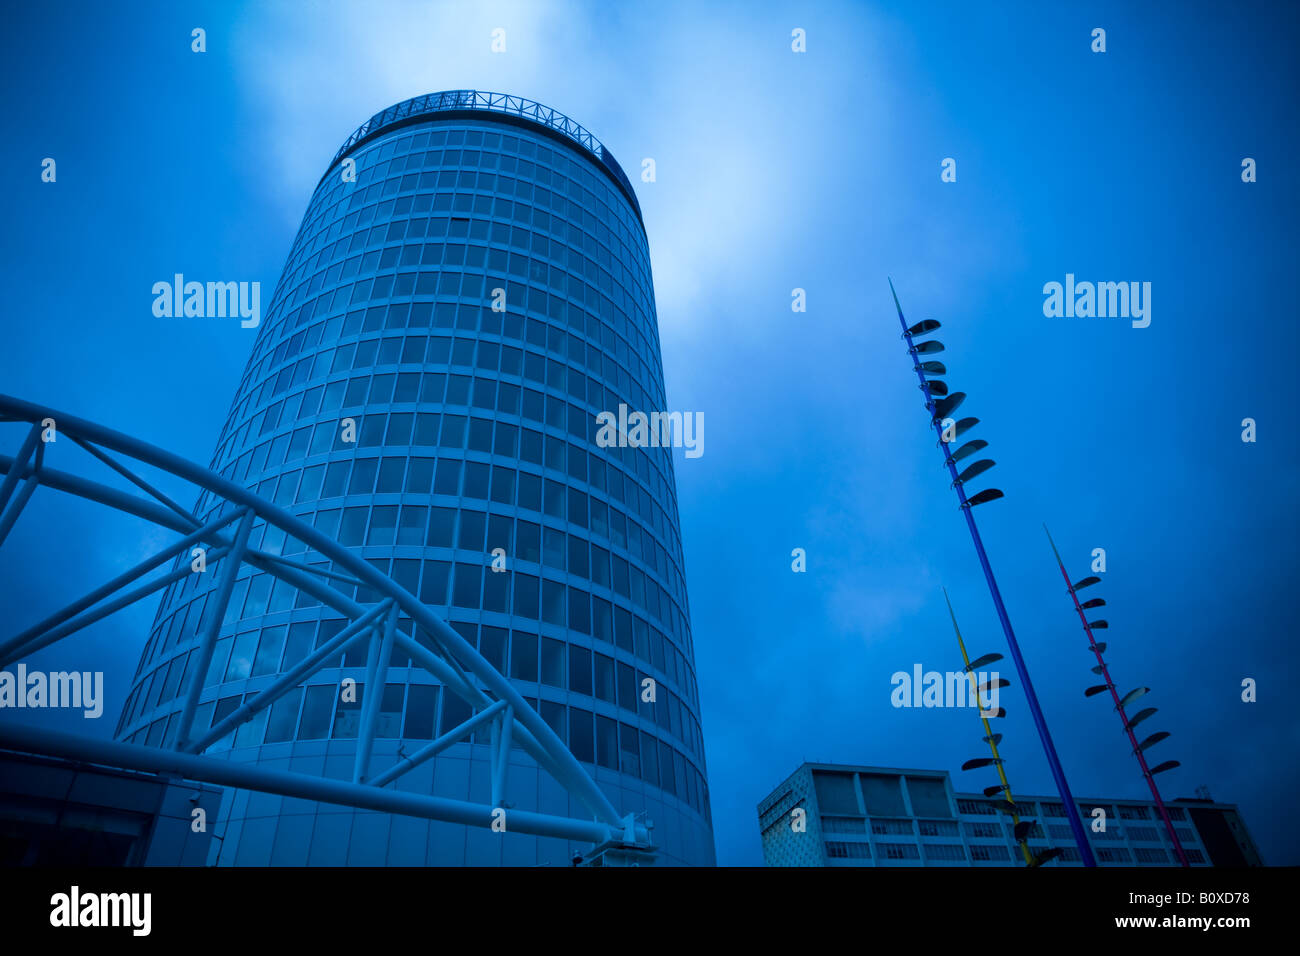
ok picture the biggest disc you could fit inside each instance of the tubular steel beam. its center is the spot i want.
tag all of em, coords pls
(11, 514)
(229, 570)
(22, 458)
(132, 477)
(229, 773)
(380, 652)
(437, 746)
(85, 620)
(14, 646)
(501, 756)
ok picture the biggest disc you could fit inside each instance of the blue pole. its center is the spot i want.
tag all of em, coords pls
(1053, 761)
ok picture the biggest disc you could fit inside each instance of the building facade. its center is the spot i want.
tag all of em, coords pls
(56, 812)
(837, 815)
(469, 288)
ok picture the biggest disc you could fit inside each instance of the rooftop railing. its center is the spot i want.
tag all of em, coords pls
(449, 100)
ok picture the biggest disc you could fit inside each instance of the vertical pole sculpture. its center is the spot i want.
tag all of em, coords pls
(1053, 761)
(988, 731)
(1119, 706)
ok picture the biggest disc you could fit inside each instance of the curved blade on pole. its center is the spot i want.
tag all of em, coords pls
(966, 451)
(975, 470)
(987, 495)
(1153, 740)
(1140, 716)
(982, 661)
(1133, 695)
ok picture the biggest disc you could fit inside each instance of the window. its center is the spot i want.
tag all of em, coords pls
(553, 662)
(268, 651)
(629, 751)
(605, 678)
(553, 602)
(581, 741)
(352, 530)
(987, 852)
(473, 525)
(284, 717)
(1151, 855)
(476, 480)
(523, 656)
(937, 827)
(848, 851)
(892, 826)
(383, 525)
(317, 711)
(411, 529)
(579, 670)
(433, 582)
(421, 706)
(347, 716)
(606, 742)
(898, 851)
(241, 657)
(529, 541)
(467, 585)
(389, 722)
(649, 759)
(492, 645)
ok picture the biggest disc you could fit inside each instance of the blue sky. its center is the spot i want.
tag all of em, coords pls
(775, 170)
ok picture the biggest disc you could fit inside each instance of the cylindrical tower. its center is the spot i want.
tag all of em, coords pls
(470, 286)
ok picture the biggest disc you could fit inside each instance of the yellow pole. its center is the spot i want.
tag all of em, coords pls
(988, 731)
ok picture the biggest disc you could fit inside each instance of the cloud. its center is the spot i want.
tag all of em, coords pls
(312, 80)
